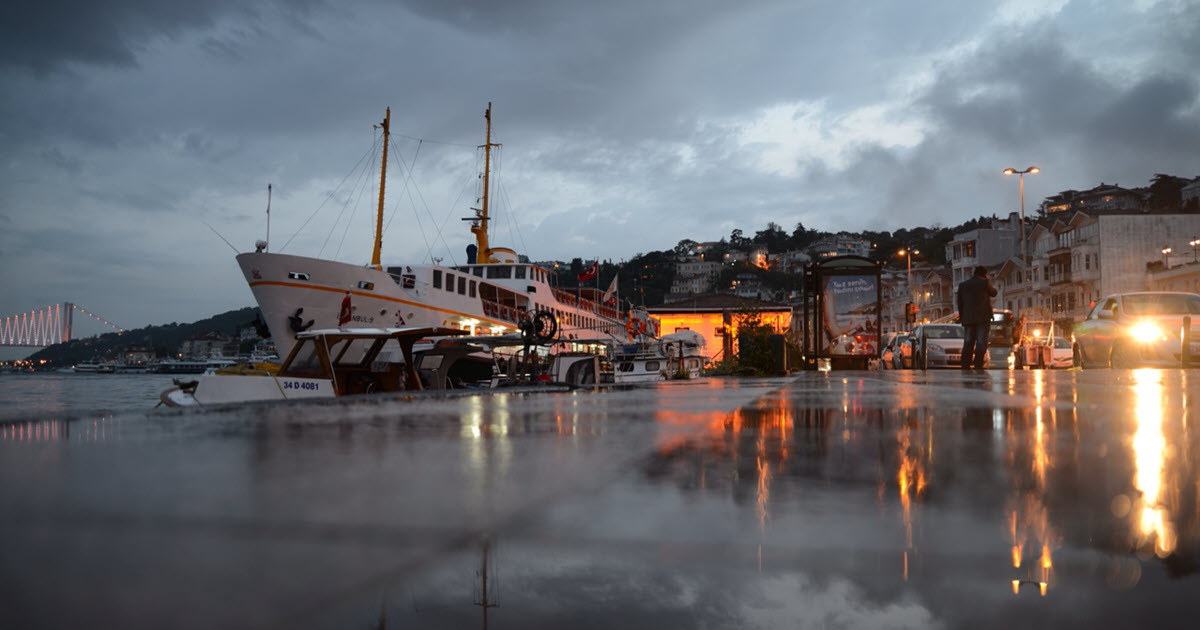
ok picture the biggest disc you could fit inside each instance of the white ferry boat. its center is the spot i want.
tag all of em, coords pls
(490, 295)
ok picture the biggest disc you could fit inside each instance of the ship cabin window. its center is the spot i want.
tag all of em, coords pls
(477, 271)
(499, 271)
(437, 278)
(366, 286)
(306, 362)
(652, 366)
(350, 352)
(471, 290)
(462, 285)
(297, 275)
(450, 282)
(520, 272)
(625, 366)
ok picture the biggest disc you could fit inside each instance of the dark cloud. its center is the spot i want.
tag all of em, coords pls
(45, 36)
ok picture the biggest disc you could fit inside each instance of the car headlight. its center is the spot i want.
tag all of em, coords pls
(1146, 332)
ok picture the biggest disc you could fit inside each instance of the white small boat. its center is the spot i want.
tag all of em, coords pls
(198, 366)
(322, 364)
(679, 355)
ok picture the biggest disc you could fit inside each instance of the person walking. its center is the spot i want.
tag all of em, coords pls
(974, 301)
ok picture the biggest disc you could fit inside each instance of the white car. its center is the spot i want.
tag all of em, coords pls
(1060, 354)
(942, 345)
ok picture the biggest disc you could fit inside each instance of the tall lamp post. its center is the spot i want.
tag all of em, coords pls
(1021, 177)
(908, 254)
(1195, 243)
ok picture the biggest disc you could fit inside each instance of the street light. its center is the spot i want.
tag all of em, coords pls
(908, 254)
(1195, 243)
(1166, 252)
(1021, 177)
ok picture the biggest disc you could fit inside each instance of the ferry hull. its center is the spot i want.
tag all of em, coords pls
(296, 293)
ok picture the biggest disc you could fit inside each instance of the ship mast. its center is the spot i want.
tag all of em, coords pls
(387, 120)
(479, 221)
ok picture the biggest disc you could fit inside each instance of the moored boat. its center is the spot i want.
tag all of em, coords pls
(322, 363)
(679, 355)
(184, 366)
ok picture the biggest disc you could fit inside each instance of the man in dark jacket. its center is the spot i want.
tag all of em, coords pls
(974, 302)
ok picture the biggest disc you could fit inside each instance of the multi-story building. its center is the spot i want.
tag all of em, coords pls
(840, 245)
(1105, 197)
(747, 285)
(1182, 275)
(933, 293)
(989, 247)
(1189, 196)
(895, 291)
(695, 276)
(1076, 261)
(790, 262)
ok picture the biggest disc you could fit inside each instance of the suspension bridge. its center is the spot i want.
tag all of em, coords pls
(46, 326)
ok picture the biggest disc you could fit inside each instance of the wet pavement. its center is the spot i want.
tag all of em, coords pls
(839, 500)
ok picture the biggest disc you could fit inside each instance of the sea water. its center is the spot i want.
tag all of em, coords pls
(40, 396)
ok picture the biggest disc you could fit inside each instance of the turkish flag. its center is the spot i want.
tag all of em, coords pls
(590, 272)
(344, 316)
(610, 296)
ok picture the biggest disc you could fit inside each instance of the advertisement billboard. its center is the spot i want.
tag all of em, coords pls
(850, 314)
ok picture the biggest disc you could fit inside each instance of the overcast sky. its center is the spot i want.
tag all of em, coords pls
(127, 126)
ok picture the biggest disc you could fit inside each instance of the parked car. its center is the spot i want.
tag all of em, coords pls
(1130, 330)
(1060, 353)
(942, 342)
(896, 350)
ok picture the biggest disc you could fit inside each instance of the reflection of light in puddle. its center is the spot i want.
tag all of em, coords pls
(1029, 514)
(1149, 451)
(910, 482)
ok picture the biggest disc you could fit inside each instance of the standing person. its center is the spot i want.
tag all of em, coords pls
(974, 303)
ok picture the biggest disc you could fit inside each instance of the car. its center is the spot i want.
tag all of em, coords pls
(1060, 353)
(1131, 330)
(896, 350)
(942, 345)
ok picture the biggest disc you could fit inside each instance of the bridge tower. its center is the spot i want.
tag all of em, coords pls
(68, 321)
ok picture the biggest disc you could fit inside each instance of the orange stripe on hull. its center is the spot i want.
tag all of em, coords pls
(376, 296)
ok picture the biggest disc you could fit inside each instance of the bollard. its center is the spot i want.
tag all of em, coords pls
(1185, 342)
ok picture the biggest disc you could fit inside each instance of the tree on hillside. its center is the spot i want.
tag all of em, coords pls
(737, 240)
(1166, 192)
(647, 278)
(685, 247)
(774, 238)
